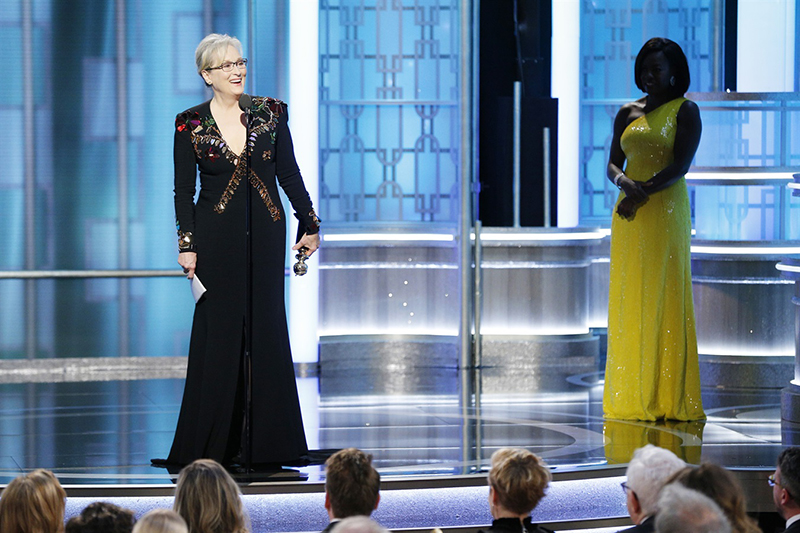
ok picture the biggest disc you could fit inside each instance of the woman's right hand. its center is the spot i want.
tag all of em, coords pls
(632, 189)
(188, 260)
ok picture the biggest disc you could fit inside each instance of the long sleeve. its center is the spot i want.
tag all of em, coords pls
(185, 186)
(290, 179)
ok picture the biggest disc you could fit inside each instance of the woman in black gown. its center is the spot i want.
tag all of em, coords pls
(211, 234)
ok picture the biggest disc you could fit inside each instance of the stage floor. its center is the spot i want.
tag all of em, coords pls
(422, 424)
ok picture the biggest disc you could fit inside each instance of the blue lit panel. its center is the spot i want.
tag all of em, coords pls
(612, 32)
(389, 111)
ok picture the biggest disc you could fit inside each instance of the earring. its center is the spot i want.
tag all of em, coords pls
(672, 81)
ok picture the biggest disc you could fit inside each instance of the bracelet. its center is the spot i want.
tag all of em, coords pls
(617, 178)
(186, 242)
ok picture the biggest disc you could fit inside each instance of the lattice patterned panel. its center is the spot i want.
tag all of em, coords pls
(389, 110)
(612, 32)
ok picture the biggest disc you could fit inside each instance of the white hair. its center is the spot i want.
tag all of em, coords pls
(648, 471)
(682, 509)
(211, 50)
(358, 524)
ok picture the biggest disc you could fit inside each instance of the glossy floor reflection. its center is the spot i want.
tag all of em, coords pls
(438, 423)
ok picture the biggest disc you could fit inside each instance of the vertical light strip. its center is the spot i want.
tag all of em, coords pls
(765, 48)
(466, 218)
(122, 172)
(208, 17)
(29, 125)
(469, 44)
(123, 448)
(252, 68)
(303, 304)
(566, 87)
(791, 37)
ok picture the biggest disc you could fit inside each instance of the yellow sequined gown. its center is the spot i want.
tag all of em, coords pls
(652, 369)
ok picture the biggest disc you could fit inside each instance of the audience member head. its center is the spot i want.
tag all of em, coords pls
(721, 486)
(358, 524)
(208, 499)
(33, 503)
(786, 483)
(102, 517)
(352, 484)
(682, 510)
(517, 482)
(161, 521)
(647, 473)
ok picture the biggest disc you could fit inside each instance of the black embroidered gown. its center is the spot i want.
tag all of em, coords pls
(212, 412)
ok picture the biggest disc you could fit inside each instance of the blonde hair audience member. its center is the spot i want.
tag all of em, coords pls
(209, 500)
(721, 486)
(517, 483)
(33, 503)
(161, 521)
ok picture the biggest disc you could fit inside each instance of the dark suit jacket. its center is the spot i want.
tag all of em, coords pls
(648, 526)
(794, 528)
(513, 525)
(330, 526)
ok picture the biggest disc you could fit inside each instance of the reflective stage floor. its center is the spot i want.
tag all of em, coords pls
(435, 428)
(106, 432)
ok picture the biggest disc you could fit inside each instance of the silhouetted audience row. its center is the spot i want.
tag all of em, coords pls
(663, 495)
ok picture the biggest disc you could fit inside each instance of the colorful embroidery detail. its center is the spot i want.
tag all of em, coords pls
(188, 120)
(257, 184)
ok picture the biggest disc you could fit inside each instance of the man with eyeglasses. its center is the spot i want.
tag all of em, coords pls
(648, 471)
(785, 483)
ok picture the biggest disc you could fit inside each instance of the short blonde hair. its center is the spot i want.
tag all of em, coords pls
(519, 478)
(212, 49)
(161, 521)
(209, 500)
(33, 503)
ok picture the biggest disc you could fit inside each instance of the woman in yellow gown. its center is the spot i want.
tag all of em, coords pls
(652, 369)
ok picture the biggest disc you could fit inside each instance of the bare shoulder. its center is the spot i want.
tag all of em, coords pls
(629, 112)
(689, 113)
(689, 108)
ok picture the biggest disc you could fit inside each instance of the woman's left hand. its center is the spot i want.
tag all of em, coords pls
(308, 241)
(626, 208)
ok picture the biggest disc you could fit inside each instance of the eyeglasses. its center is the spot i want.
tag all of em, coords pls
(772, 482)
(228, 65)
(625, 487)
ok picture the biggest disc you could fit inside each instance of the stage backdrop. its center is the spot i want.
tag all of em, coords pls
(87, 115)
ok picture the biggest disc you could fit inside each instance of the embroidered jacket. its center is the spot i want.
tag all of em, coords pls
(223, 173)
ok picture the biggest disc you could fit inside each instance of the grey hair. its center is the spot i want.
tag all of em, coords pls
(212, 48)
(648, 471)
(358, 524)
(682, 510)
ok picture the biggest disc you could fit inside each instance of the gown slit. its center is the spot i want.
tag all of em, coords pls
(211, 418)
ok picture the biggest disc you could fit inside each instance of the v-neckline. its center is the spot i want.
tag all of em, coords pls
(221, 136)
